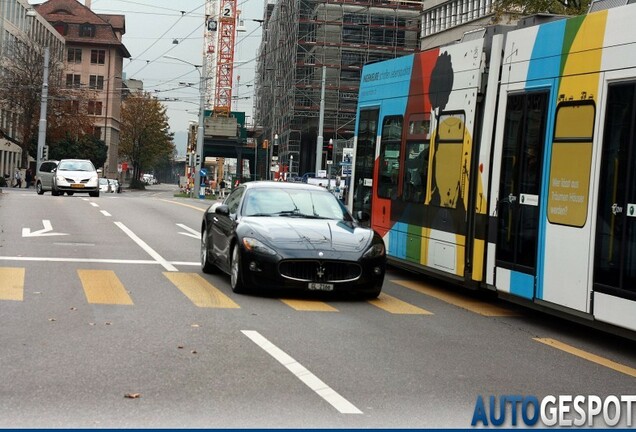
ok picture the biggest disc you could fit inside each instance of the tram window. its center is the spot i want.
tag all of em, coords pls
(390, 157)
(571, 163)
(447, 174)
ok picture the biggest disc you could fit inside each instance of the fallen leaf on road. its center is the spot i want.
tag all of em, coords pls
(195, 325)
(51, 319)
(180, 346)
(193, 351)
(132, 395)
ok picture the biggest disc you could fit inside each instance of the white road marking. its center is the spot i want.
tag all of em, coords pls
(191, 232)
(96, 260)
(94, 204)
(26, 232)
(105, 213)
(311, 380)
(148, 249)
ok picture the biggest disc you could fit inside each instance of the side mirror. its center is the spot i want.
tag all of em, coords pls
(362, 216)
(222, 210)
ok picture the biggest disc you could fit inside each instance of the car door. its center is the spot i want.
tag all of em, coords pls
(224, 226)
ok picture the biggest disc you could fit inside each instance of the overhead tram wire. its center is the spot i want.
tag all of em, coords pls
(183, 13)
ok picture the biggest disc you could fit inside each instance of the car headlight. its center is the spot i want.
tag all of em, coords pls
(375, 251)
(256, 246)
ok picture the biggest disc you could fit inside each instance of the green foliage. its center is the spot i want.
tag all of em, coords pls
(137, 184)
(85, 147)
(145, 135)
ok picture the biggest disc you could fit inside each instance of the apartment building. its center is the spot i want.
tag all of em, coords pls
(18, 25)
(94, 60)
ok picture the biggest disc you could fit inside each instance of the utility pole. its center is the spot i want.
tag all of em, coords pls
(321, 122)
(43, 105)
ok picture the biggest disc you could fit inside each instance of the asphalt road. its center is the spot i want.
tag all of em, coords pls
(107, 321)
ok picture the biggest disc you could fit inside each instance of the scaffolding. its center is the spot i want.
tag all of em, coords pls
(341, 35)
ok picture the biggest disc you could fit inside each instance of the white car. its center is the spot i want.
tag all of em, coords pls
(75, 175)
(104, 185)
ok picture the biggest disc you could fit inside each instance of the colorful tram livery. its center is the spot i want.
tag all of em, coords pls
(508, 162)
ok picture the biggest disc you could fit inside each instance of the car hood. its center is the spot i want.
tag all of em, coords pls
(309, 234)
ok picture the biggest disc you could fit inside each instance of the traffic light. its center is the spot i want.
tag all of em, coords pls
(328, 148)
(197, 160)
(45, 152)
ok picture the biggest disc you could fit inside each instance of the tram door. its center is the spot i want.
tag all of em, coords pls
(615, 254)
(364, 160)
(520, 183)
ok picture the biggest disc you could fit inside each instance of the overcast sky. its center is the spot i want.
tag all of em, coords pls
(152, 27)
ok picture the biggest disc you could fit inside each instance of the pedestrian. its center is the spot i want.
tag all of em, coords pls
(18, 178)
(222, 186)
(28, 178)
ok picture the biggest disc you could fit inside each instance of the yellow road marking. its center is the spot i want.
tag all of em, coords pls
(453, 298)
(308, 305)
(103, 287)
(199, 291)
(588, 356)
(396, 306)
(183, 204)
(11, 283)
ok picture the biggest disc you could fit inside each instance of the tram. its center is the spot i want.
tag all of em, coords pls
(506, 162)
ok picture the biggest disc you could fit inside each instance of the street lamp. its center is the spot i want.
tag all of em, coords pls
(43, 102)
(199, 152)
(291, 164)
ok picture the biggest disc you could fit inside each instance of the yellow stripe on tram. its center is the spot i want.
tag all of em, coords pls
(396, 306)
(476, 306)
(199, 291)
(309, 305)
(11, 283)
(588, 356)
(103, 287)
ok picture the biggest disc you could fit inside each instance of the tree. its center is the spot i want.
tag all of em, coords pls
(84, 147)
(21, 93)
(145, 134)
(531, 7)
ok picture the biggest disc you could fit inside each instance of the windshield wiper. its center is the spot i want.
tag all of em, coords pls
(259, 214)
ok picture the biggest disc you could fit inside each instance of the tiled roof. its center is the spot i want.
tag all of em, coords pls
(74, 14)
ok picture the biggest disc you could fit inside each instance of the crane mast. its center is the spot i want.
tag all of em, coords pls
(225, 57)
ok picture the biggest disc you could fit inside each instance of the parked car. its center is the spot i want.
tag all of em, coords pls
(104, 185)
(114, 185)
(75, 175)
(294, 236)
(44, 176)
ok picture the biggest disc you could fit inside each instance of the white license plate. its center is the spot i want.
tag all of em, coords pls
(314, 286)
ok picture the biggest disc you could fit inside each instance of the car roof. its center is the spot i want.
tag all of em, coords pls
(281, 185)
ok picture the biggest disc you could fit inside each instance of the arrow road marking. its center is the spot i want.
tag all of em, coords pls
(26, 232)
(191, 233)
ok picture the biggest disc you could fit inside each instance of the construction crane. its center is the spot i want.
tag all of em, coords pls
(220, 38)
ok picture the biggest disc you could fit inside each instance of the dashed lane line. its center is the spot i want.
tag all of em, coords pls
(308, 378)
(200, 292)
(473, 305)
(12, 283)
(618, 367)
(103, 287)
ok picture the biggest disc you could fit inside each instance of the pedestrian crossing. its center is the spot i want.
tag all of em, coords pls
(104, 287)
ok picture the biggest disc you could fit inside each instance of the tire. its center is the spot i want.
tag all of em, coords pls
(38, 188)
(55, 192)
(236, 271)
(70, 193)
(372, 294)
(94, 194)
(206, 265)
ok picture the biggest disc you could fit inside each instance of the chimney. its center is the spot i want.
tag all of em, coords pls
(87, 3)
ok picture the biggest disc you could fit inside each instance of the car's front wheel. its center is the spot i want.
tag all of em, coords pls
(206, 265)
(236, 274)
(94, 194)
(38, 188)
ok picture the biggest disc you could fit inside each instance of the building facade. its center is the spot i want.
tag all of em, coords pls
(16, 25)
(94, 60)
(341, 35)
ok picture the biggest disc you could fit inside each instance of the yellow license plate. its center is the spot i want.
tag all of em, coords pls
(77, 185)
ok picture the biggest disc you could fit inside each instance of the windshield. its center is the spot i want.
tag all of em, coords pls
(294, 203)
(75, 166)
